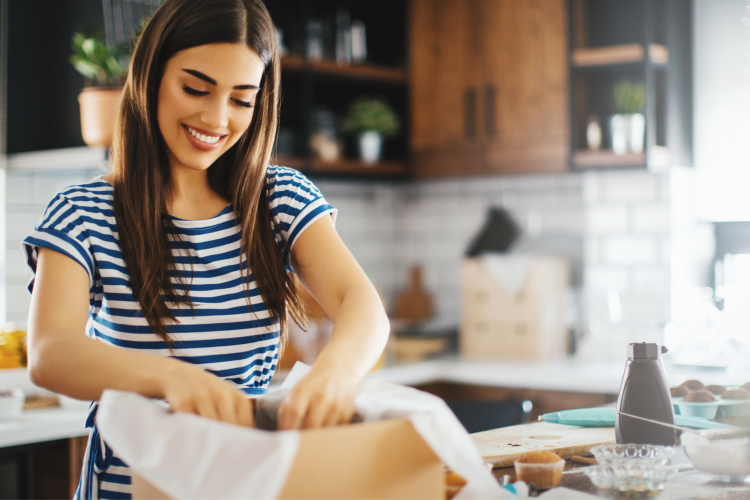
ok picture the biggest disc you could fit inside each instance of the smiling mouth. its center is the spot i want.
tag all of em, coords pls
(207, 139)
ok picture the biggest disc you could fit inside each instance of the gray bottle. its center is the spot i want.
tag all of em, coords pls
(644, 392)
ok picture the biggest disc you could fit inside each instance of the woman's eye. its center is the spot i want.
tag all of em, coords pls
(192, 91)
(244, 104)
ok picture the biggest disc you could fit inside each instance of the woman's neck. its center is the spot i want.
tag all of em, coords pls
(190, 195)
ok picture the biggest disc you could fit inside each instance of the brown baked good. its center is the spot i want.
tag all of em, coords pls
(746, 386)
(699, 397)
(719, 390)
(679, 391)
(693, 385)
(736, 394)
(542, 468)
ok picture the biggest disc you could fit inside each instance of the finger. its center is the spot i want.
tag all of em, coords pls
(184, 405)
(205, 408)
(292, 412)
(334, 417)
(225, 403)
(245, 411)
(318, 414)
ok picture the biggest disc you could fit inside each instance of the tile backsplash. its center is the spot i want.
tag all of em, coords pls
(622, 220)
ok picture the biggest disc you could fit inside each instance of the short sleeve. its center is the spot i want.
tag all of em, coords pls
(295, 202)
(61, 229)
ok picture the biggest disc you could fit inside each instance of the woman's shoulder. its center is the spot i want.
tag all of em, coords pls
(287, 179)
(93, 195)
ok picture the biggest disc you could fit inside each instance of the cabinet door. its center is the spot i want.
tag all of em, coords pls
(525, 98)
(445, 72)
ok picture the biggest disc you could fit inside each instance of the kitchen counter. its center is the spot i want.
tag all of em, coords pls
(37, 426)
(568, 375)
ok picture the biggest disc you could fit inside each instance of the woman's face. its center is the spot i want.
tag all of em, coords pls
(206, 100)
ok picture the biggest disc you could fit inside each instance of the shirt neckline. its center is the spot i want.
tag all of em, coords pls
(225, 211)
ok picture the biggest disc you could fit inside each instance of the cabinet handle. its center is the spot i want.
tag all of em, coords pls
(490, 126)
(470, 113)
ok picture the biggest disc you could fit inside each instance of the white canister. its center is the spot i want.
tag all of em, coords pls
(370, 146)
(11, 403)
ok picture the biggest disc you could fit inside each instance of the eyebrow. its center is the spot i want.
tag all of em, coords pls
(210, 80)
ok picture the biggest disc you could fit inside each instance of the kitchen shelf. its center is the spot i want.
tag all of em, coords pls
(344, 167)
(355, 71)
(606, 158)
(619, 54)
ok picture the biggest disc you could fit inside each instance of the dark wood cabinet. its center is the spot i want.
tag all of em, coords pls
(489, 87)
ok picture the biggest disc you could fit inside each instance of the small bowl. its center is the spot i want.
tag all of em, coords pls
(632, 454)
(630, 480)
(704, 410)
(545, 476)
(11, 403)
(723, 459)
(735, 407)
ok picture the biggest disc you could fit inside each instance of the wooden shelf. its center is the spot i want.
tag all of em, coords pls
(619, 54)
(343, 167)
(607, 158)
(358, 71)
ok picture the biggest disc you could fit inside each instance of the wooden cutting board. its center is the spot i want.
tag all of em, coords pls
(501, 447)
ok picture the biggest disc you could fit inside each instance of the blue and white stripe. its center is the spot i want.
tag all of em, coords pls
(220, 335)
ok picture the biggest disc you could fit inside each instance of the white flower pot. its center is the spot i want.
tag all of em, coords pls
(627, 132)
(370, 147)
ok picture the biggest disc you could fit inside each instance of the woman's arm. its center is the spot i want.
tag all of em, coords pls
(360, 332)
(64, 360)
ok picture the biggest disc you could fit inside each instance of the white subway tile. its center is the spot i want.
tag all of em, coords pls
(649, 279)
(20, 225)
(16, 263)
(591, 187)
(628, 187)
(606, 219)
(665, 249)
(592, 251)
(18, 299)
(606, 278)
(627, 250)
(651, 218)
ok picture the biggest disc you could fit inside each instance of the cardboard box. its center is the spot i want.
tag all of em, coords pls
(530, 325)
(386, 459)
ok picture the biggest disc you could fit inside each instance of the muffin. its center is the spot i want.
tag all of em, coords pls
(542, 468)
(717, 390)
(693, 385)
(699, 397)
(679, 391)
(736, 394)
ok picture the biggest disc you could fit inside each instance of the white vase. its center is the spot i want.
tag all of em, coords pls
(370, 147)
(619, 128)
(637, 132)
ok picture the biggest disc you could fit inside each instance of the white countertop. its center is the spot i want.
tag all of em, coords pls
(567, 375)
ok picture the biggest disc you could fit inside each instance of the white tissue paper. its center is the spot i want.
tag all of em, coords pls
(187, 457)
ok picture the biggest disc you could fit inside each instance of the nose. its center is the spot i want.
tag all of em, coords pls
(216, 114)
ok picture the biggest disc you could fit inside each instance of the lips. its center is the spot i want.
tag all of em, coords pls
(202, 139)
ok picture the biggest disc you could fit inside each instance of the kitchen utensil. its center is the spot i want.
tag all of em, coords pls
(713, 434)
(724, 459)
(584, 460)
(605, 417)
(644, 392)
(629, 480)
(632, 454)
(503, 446)
(703, 410)
(415, 303)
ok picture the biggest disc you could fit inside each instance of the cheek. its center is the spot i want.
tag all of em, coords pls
(171, 109)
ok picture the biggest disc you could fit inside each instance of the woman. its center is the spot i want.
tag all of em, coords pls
(176, 265)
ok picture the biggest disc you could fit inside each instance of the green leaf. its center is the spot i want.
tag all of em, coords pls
(84, 67)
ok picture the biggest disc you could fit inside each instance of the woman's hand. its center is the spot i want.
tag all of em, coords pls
(324, 397)
(189, 389)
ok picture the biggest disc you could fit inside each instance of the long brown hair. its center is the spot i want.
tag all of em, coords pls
(141, 172)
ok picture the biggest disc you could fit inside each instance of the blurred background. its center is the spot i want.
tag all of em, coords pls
(539, 182)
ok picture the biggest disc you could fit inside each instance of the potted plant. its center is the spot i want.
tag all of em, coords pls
(371, 120)
(104, 71)
(628, 125)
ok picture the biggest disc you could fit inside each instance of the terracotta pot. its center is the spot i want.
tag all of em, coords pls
(98, 110)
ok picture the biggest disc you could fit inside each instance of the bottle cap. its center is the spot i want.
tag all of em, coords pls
(645, 350)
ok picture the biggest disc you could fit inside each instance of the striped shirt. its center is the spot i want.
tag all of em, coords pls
(221, 334)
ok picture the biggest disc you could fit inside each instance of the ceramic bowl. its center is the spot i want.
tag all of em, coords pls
(723, 459)
(704, 410)
(11, 403)
(630, 480)
(632, 454)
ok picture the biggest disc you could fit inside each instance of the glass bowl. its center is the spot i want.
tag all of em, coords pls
(632, 454)
(631, 481)
(723, 459)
